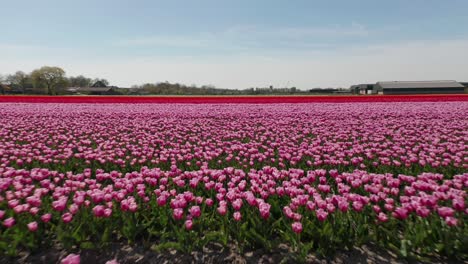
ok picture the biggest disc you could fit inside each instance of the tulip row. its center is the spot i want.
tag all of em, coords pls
(156, 204)
(381, 138)
(232, 99)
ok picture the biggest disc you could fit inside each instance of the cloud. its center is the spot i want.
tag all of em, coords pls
(415, 60)
(404, 61)
(201, 40)
(333, 31)
(17, 47)
(248, 37)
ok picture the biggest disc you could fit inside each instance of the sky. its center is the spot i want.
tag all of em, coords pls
(239, 44)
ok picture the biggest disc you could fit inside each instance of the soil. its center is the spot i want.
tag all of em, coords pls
(214, 253)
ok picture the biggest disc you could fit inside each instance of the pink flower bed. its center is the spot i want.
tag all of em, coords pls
(298, 173)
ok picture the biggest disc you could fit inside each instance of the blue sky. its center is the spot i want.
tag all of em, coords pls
(239, 44)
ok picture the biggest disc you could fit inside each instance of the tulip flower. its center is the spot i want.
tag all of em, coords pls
(67, 217)
(188, 224)
(32, 226)
(297, 227)
(71, 259)
(9, 222)
(237, 216)
(195, 211)
(46, 218)
(178, 213)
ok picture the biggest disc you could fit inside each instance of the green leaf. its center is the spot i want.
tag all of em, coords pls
(87, 245)
(403, 249)
(167, 245)
(254, 235)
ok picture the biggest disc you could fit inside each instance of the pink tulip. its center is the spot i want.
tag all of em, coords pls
(71, 259)
(382, 217)
(237, 216)
(188, 224)
(445, 211)
(178, 213)
(209, 202)
(9, 222)
(237, 204)
(107, 212)
(321, 214)
(310, 205)
(297, 227)
(451, 221)
(358, 206)
(400, 213)
(33, 211)
(423, 211)
(458, 204)
(98, 211)
(288, 212)
(343, 206)
(13, 203)
(222, 210)
(264, 210)
(195, 211)
(73, 208)
(389, 207)
(32, 226)
(376, 209)
(46, 218)
(67, 218)
(161, 200)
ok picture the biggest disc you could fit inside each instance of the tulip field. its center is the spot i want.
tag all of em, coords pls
(319, 175)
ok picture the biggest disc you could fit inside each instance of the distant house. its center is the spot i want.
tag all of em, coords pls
(420, 87)
(329, 91)
(364, 88)
(98, 88)
(466, 86)
(4, 88)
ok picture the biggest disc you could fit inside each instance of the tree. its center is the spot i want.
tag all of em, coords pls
(20, 80)
(104, 81)
(2, 79)
(80, 81)
(49, 77)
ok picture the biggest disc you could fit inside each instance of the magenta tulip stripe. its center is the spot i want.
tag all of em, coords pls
(318, 177)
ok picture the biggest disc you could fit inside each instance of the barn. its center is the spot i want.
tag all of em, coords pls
(363, 88)
(98, 88)
(4, 88)
(420, 87)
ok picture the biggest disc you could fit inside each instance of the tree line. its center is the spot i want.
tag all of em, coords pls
(53, 80)
(166, 88)
(45, 80)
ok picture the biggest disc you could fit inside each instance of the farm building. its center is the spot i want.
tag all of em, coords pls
(324, 90)
(420, 87)
(93, 90)
(364, 88)
(98, 88)
(4, 88)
